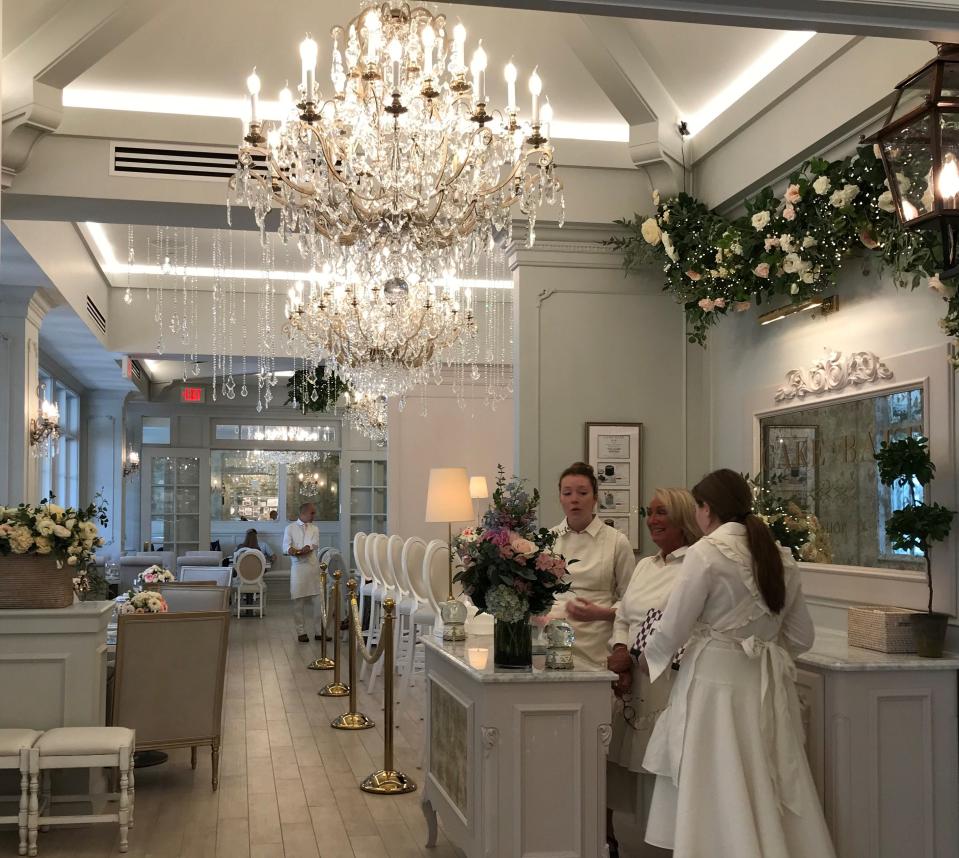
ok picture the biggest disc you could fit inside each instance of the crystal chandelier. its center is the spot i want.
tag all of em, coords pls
(311, 484)
(366, 413)
(45, 427)
(382, 340)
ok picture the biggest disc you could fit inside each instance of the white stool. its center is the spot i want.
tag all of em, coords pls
(88, 747)
(17, 752)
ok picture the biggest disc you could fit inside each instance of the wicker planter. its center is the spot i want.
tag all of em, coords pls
(884, 629)
(33, 581)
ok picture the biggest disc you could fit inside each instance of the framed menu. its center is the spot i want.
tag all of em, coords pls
(613, 449)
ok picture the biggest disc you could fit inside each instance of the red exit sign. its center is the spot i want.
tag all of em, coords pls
(191, 394)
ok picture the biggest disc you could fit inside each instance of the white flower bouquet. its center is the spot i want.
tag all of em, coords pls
(154, 575)
(144, 602)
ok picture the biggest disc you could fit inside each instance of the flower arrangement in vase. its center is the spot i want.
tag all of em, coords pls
(151, 577)
(144, 602)
(510, 569)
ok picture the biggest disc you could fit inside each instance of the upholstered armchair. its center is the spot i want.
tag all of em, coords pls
(199, 558)
(133, 564)
(182, 597)
(169, 680)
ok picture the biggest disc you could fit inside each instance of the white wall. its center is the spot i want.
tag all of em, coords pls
(476, 437)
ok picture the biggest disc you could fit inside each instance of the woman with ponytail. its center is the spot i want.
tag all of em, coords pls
(732, 777)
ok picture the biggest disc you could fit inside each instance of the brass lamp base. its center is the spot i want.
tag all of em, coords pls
(386, 782)
(334, 689)
(351, 721)
(321, 664)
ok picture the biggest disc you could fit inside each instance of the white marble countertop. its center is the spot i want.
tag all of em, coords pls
(831, 651)
(474, 656)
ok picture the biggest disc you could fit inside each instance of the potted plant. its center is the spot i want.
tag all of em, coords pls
(916, 526)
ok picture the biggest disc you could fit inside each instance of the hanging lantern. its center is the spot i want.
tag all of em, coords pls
(919, 145)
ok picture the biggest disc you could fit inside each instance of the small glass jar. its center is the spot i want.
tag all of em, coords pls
(559, 644)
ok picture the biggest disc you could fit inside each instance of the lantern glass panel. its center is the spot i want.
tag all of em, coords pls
(950, 80)
(909, 154)
(948, 183)
(914, 94)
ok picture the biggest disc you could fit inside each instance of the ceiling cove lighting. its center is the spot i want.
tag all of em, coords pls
(826, 305)
(773, 57)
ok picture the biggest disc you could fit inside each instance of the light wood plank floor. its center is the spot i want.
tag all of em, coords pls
(288, 781)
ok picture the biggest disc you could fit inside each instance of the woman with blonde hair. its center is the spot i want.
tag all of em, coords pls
(732, 774)
(671, 521)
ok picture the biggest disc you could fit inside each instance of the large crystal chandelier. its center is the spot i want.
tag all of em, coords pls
(394, 182)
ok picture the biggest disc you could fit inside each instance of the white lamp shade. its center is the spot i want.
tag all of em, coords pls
(448, 496)
(478, 487)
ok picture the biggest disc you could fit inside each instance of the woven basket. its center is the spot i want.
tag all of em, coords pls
(33, 581)
(883, 629)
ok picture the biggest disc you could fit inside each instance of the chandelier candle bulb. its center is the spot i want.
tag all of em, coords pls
(372, 36)
(253, 87)
(510, 74)
(479, 73)
(535, 88)
(396, 53)
(458, 58)
(428, 37)
(308, 52)
(546, 117)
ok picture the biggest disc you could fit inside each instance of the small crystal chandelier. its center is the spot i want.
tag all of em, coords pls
(311, 484)
(367, 414)
(45, 428)
(382, 340)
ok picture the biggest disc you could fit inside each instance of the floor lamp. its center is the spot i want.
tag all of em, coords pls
(479, 490)
(448, 500)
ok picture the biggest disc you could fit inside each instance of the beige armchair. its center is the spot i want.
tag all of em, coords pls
(182, 597)
(133, 564)
(169, 680)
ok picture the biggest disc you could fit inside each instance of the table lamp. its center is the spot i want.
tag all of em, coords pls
(479, 490)
(448, 500)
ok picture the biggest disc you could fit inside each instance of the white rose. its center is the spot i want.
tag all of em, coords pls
(45, 526)
(885, 202)
(655, 197)
(668, 247)
(837, 199)
(760, 220)
(53, 509)
(808, 242)
(70, 523)
(849, 193)
(808, 277)
(794, 289)
(651, 231)
(71, 561)
(822, 185)
(61, 531)
(786, 242)
(44, 545)
(792, 263)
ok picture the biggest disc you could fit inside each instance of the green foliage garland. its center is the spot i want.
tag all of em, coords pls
(792, 247)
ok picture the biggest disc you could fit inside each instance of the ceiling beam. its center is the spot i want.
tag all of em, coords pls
(932, 20)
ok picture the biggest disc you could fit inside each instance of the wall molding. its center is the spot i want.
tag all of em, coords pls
(833, 373)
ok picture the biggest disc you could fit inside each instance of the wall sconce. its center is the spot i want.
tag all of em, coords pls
(827, 305)
(45, 427)
(133, 463)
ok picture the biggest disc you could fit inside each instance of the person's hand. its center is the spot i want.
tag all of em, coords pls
(584, 611)
(620, 661)
(624, 684)
(306, 549)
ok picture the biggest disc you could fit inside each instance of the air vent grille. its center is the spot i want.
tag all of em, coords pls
(204, 163)
(136, 369)
(94, 312)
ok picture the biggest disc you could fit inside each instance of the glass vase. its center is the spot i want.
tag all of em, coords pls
(513, 645)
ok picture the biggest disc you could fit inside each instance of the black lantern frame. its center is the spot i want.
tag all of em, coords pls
(919, 146)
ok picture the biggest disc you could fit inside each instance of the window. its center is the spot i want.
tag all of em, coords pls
(60, 474)
(897, 416)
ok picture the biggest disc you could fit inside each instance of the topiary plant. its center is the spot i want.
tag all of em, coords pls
(315, 390)
(917, 526)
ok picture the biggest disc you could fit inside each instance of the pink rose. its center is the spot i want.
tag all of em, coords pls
(868, 239)
(789, 213)
(742, 306)
(792, 194)
(706, 305)
(762, 270)
(693, 275)
(770, 243)
(720, 303)
(522, 546)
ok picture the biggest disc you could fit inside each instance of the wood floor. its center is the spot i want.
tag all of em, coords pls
(288, 781)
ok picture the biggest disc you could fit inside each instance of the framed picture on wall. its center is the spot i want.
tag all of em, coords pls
(789, 463)
(613, 449)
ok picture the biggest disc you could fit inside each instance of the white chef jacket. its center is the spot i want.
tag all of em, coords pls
(649, 588)
(304, 570)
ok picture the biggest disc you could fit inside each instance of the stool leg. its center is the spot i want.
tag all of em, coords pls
(124, 815)
(131, 788)
(33, 810)
(215, 753)
(24, 799)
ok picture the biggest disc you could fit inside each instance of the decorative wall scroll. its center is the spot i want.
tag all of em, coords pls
(832, 373)
(613, 449)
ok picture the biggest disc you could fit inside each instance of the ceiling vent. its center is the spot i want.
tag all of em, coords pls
(209, 163)
(136, 369)
(93, 311)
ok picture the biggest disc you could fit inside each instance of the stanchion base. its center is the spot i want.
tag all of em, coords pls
(351, 721)
(321, 664)
(334, 689)
(388, 783)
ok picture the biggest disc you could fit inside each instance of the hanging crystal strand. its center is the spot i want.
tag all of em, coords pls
(128, 294)
(217, 270)
(173, 249)
(195, 300)
(230, 384)
(158, 313)
(243, 388)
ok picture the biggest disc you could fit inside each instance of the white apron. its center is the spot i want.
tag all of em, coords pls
(305, 576)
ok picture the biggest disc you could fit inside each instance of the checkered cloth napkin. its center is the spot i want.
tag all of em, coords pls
(646, 629)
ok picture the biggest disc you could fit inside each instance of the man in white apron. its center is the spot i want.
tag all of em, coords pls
(300, 540)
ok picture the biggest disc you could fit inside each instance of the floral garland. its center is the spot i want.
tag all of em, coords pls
(793, 247)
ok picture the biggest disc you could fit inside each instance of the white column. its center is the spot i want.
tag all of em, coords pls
(22, 310)
(103, 445)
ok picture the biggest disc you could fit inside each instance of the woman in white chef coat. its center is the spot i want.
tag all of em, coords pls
(604, 563)
(671, 521)
(732, 774)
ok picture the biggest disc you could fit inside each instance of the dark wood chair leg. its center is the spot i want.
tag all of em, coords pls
(216, 763)
(193, 757)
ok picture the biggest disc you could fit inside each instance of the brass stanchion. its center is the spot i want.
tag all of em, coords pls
(335, 688)
(352, 720)
(388, 781)
(323, 662)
